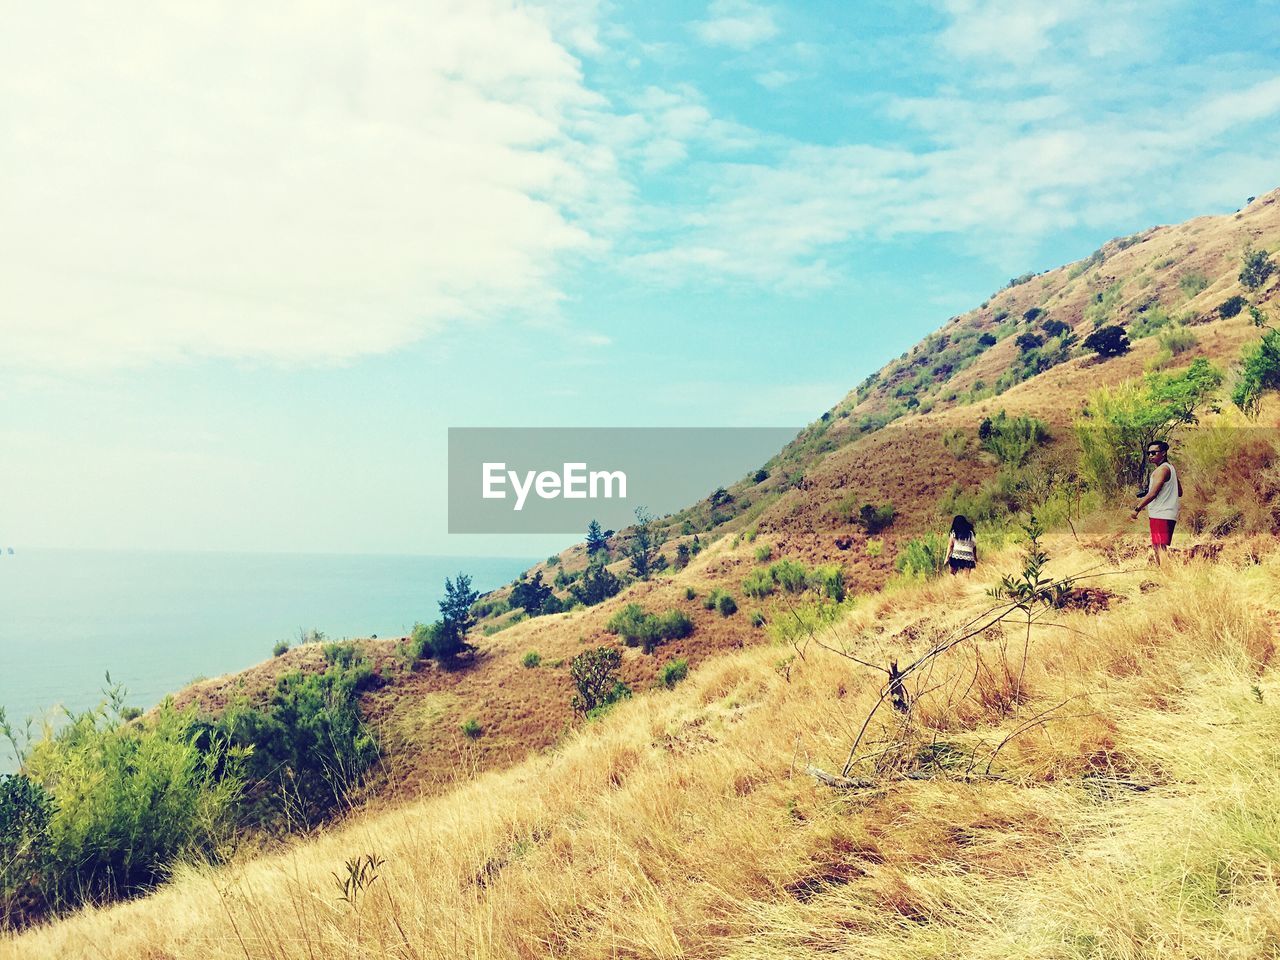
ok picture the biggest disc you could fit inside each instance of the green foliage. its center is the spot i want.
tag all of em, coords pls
(875, 547)
(764, 553)
(673, 672)
(683, 556)
(471, 728)
(26, 810)
(344, 654)
(1012, 439)
(595, 675)
(106, 807)
(1260, 371)
(1191, 284)
(757, 619)
(1028, 341)
(1031, 587)
(828, 579)
(531, 659)
(645, 544)
(491, 607)
(790, 575)
(690, 593)
(1178, 340)
(450, 637)
(280, 649)
(1256, 268)
(597, 584)
(922, 557)
(1231, 306)
(647, 630)
(1149, 323)
(597, 540)
(725, 604)
(1099, 311)
(758, 585)
(534, 596)
(1119, 422)
(1054, 328)
(760, 476)
(874, 519)
(805, 619)
(986, 339)
(1108, 341)
(309, 748)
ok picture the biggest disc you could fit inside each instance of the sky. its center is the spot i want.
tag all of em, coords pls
(256, 259)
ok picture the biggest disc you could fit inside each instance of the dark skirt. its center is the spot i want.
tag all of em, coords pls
(960, 565)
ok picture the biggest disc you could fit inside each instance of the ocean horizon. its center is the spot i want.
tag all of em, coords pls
(156, 620)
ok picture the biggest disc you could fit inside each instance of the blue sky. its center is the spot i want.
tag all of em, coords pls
(255, 262)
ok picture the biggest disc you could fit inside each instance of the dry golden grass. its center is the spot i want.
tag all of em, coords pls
(1136, 819)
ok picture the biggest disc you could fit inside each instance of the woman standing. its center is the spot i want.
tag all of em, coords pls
(962, 548)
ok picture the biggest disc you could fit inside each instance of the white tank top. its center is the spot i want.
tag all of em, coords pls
(1165, 505)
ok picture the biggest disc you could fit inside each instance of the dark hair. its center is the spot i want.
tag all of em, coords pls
(1162, 444)
(962, 528)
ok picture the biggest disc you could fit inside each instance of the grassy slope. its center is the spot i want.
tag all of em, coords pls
(1139, 821)
(718, 749)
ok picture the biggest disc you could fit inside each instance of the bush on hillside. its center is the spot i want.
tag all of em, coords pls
(597, 584)
(1012, 439)
(308, 749)
(1256, 268)
(1260, 372)
(1108, 341)
(790, 575)
(1119, 422)
(1193, 283)
(647, 630)
(595, 676)
(105, 807)
(828, 580)
(922, 557)
(1231, 306)
(673, 672)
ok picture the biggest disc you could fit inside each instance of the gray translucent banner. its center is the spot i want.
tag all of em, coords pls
(557, 480)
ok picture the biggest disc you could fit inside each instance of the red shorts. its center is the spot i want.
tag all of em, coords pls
(1161, 531)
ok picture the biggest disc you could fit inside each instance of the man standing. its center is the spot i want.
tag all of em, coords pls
(1164, 495)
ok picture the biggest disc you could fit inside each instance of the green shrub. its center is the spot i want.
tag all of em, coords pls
(922, 557)
(726, 605)
(107, 806)
(1260, 372)
(1149, 323)
(495, 607)
(875, 547)
(1192, 283)
(309, 747)
(828, 579)
(26, 809)
(1256, 268)
(757, 619)
(763, 553)
(597, 584)
(1099, 311)
(280, 649)
(595, 676)
(647, 630)
(344, 654)
(531, 659)
(690, 593)
(1178, 340)
(1011, 439)
(805, 619)
(673, 672)
(1119, 422)
(758, 585)
(790, 575)
(1108, 341)
(471, 728)
(1231, 306)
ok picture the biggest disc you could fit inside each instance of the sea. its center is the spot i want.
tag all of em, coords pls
(157, 620)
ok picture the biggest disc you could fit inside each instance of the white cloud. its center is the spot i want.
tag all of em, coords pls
(295, 183)
(736, 23)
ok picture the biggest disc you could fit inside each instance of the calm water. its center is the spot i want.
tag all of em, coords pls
(157, 620)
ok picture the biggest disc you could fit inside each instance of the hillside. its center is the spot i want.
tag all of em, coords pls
(1019, 807)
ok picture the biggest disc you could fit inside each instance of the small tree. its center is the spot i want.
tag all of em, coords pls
(595, 675)
(645, 544)
(682, 556)
(1108, 341)
(455, 618)
(1256, 268)
(596, 539)
(1260, 372)
(1029, 341)
(597, 584)
(531, 594)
